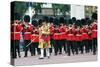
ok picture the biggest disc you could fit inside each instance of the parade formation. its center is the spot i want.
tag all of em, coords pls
(53, 35)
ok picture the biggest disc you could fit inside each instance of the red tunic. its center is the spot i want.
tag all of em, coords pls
(78, 36)
(56, 35)
(52, 32)
(28, 32)
(94, 31)
(85, 34)
(15, 31)
(35, 37)
(62, 34)
(70, 36)
(66, 33)
(90, 38)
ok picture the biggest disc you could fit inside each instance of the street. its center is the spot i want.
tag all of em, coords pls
(63, 58)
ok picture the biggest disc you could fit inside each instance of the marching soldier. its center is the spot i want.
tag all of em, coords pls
(56, 40)
(35, 38)
(94, 32)
(85, 37)
(51, 20)
(79, 40)
(70, 39)
(27, 32)
(94, 36)
(55, 36)
(90, 38)
(15, 35)
(62, 32)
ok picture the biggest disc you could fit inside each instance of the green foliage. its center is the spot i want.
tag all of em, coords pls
(20, 7)
(37, 7)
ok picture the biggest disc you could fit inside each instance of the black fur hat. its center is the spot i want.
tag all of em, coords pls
(88, 22)
(51, 19)
(27, 18)
(73, 19)
(34, 22)
(66, 21)
(94, 16)
(78, 22)
(83, 21)
(61, 19)
(40, 21)
(56, 21)
(45, 19)
(70, 21)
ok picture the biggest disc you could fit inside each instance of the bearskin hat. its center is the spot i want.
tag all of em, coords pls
(27, 18)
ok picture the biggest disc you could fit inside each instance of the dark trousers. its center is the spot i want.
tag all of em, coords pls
(60, 45)
(15, 48)
(90, 45)
(94, 45)
(64, 45)
(70, 47)
(26, 48)
(55, 45)
(75, 44)
(86, 44)
(34, 48)
(52, 43)
(80, 46)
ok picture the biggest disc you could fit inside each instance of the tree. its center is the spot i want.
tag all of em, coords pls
(20, 7)
(63, 8)
(37, 7)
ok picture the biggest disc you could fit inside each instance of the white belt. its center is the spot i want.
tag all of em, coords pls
(78, 35)
(70, 34)
(15, 32)
(94, 30)
(62, 33)
(27, 32)
(35, 35)
(57, 34)
(84, 33)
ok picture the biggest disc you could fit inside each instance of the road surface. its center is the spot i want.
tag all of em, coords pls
(63, 58)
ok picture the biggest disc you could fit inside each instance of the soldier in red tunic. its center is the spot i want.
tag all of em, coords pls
(55, 36)
(27, 32)
(94, 32)
(94, 36)
(15, 35)
(85, 37)
(62, 36)
(70, 40)
(56, 39)
(79, 39)
(35, 38)
(51, 20)
(90, 38)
